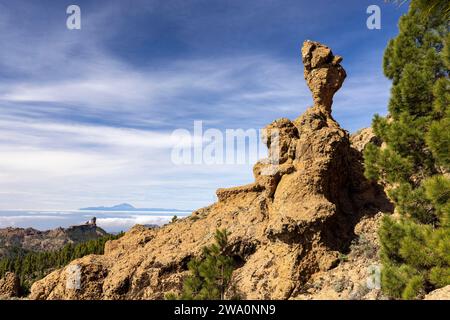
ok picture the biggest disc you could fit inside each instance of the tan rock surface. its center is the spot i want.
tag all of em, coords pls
(323, 73)
(9, 286)
(291, 223)
(364, 136)
(439, 294)
(357, 277)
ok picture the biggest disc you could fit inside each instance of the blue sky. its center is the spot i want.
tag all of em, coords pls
(86, 115)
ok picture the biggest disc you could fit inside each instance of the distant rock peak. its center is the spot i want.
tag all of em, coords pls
(92, 222)
(124, 205)
(118, 207)
(35, 240)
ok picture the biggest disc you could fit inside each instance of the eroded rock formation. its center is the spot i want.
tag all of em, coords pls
(288, 225)
(439, 294)
(13, 239)
(9, 286)
(323, 73)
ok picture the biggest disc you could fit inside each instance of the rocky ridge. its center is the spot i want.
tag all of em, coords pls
(14, 239)
(294, 222)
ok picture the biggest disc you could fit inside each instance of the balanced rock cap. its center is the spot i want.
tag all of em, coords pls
(323, 73)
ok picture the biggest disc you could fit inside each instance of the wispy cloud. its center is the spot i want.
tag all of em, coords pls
(19, 220)
(124, 223)
(223, 88)
(44, 162)
(16, 132)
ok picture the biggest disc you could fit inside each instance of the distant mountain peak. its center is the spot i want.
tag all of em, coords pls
(118, 207)
(124, 206)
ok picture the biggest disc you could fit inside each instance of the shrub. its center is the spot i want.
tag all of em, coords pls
(210, 275)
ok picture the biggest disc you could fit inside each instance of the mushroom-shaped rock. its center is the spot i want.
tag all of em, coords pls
(323, 73)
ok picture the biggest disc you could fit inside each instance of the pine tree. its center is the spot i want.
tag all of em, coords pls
(413, 163)
(211, 274)
(429, 7)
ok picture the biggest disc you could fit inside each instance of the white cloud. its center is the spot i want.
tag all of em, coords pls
(117, 224)
(52, 165)
(253, 81)
(44, 132)
(8, 221)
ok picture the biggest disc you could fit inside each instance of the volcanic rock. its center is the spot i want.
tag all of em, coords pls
(439, 294)
(294, 221)
(323, 73)
(9, 286)
(364, 136)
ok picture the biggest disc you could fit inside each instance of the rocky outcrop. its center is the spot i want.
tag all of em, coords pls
(439, 294)
(357, 277)
(364, 136)
(293, 222)
(9, 286)
(18, 239)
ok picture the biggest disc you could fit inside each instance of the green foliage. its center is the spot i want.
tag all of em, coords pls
(211, 274)
(413, 88)
(32, 266)
(438, 135)
(441, 94)
(437, 190)
(371, 167)
(411, 202)
(413, 288)
(414, 159)
(394, 279)
(438, 139)
(343, 257)
(429, 7)
(440, 277)
(391, 234)
(386, 165)
(411, 249)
